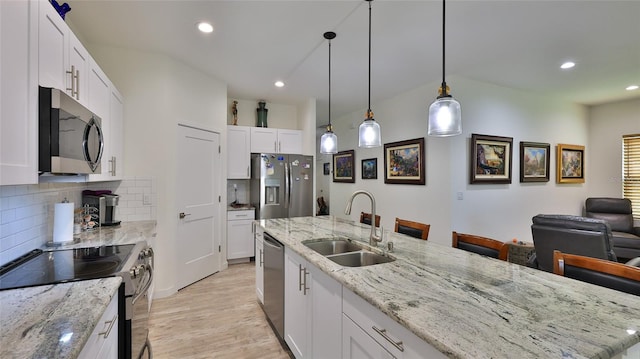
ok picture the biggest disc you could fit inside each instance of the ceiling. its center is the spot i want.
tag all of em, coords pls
(517, 44)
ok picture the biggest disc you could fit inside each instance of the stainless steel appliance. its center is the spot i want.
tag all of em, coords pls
(274, 283)
(133, 262)
(105, 203)
(281, 185)
(69, 135)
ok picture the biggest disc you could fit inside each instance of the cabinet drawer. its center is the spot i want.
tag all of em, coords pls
(239, 215)
(393, 337)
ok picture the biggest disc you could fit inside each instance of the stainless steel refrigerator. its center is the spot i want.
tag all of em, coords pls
(281, 185)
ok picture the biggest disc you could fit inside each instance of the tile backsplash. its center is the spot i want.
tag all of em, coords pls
(26, 211)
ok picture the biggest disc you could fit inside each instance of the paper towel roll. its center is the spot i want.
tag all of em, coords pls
(63, 223)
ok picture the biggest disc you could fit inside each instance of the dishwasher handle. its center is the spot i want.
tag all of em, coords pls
(271, 242)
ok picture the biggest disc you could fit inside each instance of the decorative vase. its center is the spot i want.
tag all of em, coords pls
(262, 114)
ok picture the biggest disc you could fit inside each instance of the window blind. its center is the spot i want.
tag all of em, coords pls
(631, 171)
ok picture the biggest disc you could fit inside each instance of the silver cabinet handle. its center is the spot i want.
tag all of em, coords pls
(383, 332)
(248, 174)
(279, 146)
(275, 146)
(182, 215)
(261, 261)
(300, 277)
(77, 83)
(304, 286)
(73, 83)
(113, 165)
(111, 322)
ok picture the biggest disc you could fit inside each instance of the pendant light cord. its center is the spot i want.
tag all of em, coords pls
(330, 128)
(369, 104)
(444, 84)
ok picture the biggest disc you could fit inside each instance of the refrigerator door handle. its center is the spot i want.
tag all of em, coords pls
(287, 180)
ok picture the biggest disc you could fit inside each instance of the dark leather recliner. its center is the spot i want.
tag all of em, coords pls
(617, 212)
(569, 234)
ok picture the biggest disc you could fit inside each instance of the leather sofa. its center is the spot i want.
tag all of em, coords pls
(569, 234)
(617, 213)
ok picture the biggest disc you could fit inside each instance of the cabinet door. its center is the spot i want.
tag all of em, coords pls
(77, 79)
(259, 264)
(239, 239)
(326, 314)
(18, 92)
(238, 152)
(296, 312)
(53, 46)
(357, 344)
(264, 140)
(103, 341)
(99, 97)
(290, 141)
(116, 122)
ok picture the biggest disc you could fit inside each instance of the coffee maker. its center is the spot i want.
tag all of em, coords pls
(105, 204)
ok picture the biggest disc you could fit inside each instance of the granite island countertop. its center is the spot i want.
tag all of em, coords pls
(52, 321)
(470, 306)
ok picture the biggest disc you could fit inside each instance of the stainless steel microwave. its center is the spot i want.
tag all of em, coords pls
(70, 137)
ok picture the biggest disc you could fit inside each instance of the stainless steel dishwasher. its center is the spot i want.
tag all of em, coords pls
(274, 283)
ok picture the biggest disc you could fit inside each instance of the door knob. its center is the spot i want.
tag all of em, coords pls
(182, 214)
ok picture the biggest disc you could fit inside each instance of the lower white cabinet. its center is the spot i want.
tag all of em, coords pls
(313, 310)
(376, 327)
(103, 342)
(240, 234)
(259, 239)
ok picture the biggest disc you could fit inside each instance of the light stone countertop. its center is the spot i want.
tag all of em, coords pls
(470, 306)
(32, 320)
(52, 321)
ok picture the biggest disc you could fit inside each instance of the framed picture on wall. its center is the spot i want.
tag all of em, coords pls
(404, 162)
(326, 169)
(534, 162)
(343, 169)
(570, 163)
(370, 168)
(490, 159)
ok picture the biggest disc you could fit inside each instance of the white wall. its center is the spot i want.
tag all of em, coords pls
(607, 124)
(494, 210)
(278, 115)
(159, 93)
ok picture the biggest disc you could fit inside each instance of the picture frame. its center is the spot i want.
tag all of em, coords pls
(490, 159)
(569, 163)
(534, 161)
(404, 162)
(326, 168)
(370, 168)
(343, 168)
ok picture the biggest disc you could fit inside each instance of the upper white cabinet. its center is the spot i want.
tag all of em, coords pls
(313, 310)
(63, 63)
(108, 101)
(238, 152)
(18, 92)
(272, 140)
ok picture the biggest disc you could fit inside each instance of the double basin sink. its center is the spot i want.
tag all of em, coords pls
(346, 253)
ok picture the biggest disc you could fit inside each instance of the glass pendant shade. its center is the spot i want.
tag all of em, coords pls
(329, 143)
(369, 134)
(445, 117)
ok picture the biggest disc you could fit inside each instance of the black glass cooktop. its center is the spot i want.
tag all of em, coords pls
(43, 267)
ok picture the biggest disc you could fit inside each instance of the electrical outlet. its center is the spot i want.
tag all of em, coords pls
(146, 199)
(460, 196)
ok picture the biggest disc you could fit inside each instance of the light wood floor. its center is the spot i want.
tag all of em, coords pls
(217, 317)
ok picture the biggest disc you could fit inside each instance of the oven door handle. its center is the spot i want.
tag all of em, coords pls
(142, 292)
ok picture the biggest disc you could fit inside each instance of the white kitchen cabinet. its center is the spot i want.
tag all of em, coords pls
(273, 140)
(387, 333)
(356, 343)
(106, 98)
(18, 92)
(64, 63)
(103, 342)
(240, 243)
(116, 121)
(313, 311)
(238, 152)
(259, 239)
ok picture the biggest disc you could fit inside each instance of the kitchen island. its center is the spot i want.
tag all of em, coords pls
(469, 306)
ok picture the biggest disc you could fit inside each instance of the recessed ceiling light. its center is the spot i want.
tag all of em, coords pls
(632, 87)
(279, 84)
(567, 65)
(205, 27)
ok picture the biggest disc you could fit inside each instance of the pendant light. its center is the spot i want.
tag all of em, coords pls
(369, 130)
(445, 118)
(329, 141)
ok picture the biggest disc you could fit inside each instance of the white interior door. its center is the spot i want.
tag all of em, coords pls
(198, 190)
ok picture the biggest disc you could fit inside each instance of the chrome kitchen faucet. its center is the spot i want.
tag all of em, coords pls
(373, 238)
